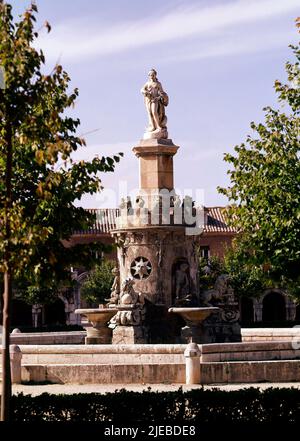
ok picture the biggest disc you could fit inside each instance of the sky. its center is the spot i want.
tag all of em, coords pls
(217, 60)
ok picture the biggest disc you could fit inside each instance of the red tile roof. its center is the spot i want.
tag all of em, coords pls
(106, 221)
(216, 221)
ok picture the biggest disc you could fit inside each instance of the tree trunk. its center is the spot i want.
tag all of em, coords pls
(6, 375)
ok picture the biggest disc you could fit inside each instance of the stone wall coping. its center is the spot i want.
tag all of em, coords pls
(104, 349)
(270, 331)
(246, 347)
(250, 363)
(156, 348)
(46, 334)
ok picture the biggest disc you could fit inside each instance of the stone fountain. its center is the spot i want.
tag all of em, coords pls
(157, 237)
(157, 234)
(155, 285)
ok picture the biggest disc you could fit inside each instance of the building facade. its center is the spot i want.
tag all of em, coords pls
(274, 305)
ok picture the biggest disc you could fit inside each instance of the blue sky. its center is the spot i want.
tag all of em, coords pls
(217, 60)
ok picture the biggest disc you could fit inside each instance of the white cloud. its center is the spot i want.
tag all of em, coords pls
(232, 45)
(76, 43)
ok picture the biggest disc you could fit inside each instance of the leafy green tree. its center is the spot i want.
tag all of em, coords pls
(246, 279)
(39, 182)
(265, 188)
(209, 270)
(97, 287)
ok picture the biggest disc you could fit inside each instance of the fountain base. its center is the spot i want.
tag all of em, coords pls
(98, 335)
(130, 335)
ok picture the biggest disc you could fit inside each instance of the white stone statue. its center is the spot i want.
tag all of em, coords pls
(156, 100)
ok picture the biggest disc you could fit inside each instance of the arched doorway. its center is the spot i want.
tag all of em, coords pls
(21, 314)
(247, 312)
(80, 279)
(54, 313)
(274, 307)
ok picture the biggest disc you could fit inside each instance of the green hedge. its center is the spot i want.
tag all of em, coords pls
(196, 406)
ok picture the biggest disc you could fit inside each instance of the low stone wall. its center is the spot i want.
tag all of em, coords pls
(143, 354)
(125, 364)
(103, 354)
(250, 372)
(105, 374)
(270, 334)
(48, 338)
(210, 373)
(251, 351)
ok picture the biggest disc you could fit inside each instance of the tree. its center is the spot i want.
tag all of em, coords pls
(39, 182)
(265, 188)
(209, 270)
(97, 287)
(247, 280)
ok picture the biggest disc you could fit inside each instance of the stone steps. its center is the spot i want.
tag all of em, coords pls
(271, 334)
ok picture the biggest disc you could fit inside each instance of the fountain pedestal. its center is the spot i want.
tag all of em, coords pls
(128, 322)
(129, 335)
(99, 333)
(153, 235)
(194, 332)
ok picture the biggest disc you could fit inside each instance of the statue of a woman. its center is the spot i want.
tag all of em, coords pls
(156, 100)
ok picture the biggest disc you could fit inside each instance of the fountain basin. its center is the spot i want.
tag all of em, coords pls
(99, 333)
(194, 315)
(194, 331)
